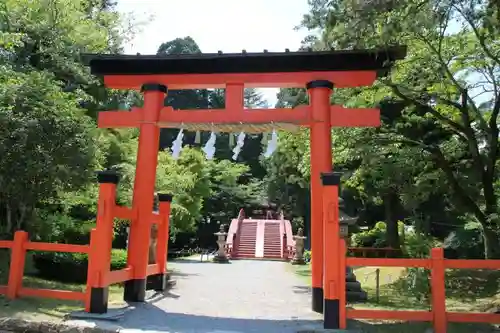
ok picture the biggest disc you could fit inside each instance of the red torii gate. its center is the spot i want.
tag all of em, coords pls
(319, 72)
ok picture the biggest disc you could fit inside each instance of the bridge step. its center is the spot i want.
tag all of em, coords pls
(260, 239)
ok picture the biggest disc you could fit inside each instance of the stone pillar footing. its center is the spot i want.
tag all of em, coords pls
(157, 282)
(220, 259)
(298, 261)
(331, 314)
(317, 299)
(135, 290)
(99, 300)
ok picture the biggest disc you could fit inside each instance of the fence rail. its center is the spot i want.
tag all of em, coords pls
(438, 315)
(18, 247)
(5, 244)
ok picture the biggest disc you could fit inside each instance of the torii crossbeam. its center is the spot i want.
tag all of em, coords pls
(319, 72)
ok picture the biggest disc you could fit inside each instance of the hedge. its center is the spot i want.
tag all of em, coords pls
(71, 267)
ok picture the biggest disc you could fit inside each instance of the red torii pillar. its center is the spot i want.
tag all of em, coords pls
(326, 270)
(144, 186)
(321, 161)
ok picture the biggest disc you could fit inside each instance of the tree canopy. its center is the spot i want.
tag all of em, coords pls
(433, 164)
(435, 158)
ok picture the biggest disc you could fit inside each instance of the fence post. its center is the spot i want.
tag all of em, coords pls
(101, 243)
(342, 284)
(438, 290)
(377, 285)
(331, 247)
(92, 271)
(17, 261)
(159, 281)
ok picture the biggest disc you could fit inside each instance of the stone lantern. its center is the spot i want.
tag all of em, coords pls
(298, 258)
(221, 256)
(354, 292)
(345, 220)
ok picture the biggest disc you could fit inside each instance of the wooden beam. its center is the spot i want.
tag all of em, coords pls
(299, 115)
(340, 117)
(346, 117)
(341, 79)
(119, 119)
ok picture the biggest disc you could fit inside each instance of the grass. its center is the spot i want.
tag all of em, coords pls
(467, 291)
(50, 309)
(53, 310)
(34, 308)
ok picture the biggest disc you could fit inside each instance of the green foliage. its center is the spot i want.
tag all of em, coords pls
(465, 242)
(48, 101)
(307, 255)
(287, 174)
(415, 282)
(61, 228)
(71, 267)
(188, 180)
(436, 153)
(374, 237)
(419, 245)
(46, 142)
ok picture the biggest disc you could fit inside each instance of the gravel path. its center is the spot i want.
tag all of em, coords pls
(243, 296)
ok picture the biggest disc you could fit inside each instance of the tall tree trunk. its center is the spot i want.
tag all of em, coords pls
(490, 239)
(490, 235)
(21, 218)
(391, 205)
(8, 218)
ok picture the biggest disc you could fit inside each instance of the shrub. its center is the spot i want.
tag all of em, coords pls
(375, 237)
(415, 281)
(307, 255)
(466, 242)
(71, 267)
(61, 228)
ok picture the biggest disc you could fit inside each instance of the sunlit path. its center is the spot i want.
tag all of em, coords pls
(243, 296)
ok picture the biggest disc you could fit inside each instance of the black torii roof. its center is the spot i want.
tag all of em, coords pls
(380, 60)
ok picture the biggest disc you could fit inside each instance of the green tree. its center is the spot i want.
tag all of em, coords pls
(46, 141)
(187, 179)
(48, 102)
(450, 78)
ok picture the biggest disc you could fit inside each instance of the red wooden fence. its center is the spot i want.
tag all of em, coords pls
(18, 247)
(438, 314)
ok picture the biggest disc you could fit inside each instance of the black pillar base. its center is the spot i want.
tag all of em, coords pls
(317, 299)
(331, 315)
(99, 300)
(135, 290)
(157, 282)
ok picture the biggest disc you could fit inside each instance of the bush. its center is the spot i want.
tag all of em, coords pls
(61, 228)
(466, 242)
(307, 255)
(415, 281)
(71, 267)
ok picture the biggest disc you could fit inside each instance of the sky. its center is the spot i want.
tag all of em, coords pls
(225, 25)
